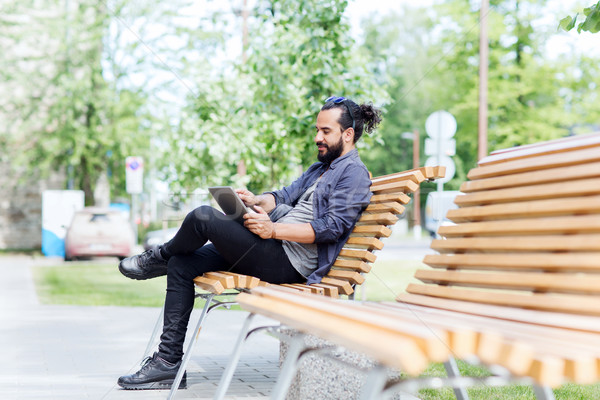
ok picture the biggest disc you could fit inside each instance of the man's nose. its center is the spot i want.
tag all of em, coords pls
(318, 137)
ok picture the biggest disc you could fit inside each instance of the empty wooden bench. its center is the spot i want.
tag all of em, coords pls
(516, 285)
(390, 196)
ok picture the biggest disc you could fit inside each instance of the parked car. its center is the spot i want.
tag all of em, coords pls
(436, 208)
(99, 232)
(161, 236)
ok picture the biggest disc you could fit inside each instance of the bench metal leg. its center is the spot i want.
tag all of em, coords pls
(157, 327)
(233, 360)
(452, 370)
(543, 392)
(375, 383)
(188, 352)
(289, 367)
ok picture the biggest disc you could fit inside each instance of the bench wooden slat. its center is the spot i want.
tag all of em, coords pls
(371, 231)
(299, 287)
(363, 255)
(573, 322)
(530, 281)
(553, 175)
(211, 285)
(540, 208)
(523, 227)
(580, 188)
(404, 186)
(328, 290)
(553, 262)
(354, 265)
(587, 243)
(564, 303)
(369, 243)
(353, 277)
(390, 198)
(414, 175)
(536, 163)
(344, 287)
(391, 207)
(545, 148)
(381, 218)
(227, 281)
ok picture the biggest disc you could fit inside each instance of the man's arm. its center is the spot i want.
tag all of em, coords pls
(261, 225)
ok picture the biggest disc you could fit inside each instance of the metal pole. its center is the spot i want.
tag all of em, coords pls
(417, 194)
(483, 79)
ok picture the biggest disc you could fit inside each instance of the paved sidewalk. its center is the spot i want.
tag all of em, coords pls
(73, 352)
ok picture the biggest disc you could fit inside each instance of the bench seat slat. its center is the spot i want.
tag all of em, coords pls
(553, 175)
(531, 281)
(328, 290)
(400, 352)
(541, 208)
(564, 303)
(227, 281)
(536, 163)
(583, 187)
(211, 285)
(414, 175)
(554, 262)
(343, 286)
(353, 277)
(525, 227)
(584, 243)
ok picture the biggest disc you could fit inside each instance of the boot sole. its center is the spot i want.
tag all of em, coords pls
(164, 384)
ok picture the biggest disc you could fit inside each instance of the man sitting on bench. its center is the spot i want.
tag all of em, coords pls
(315, 215)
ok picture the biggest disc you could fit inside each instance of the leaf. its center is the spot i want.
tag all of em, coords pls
(568, 22)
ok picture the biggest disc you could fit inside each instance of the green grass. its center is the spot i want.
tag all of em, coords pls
(387, 279)
(89, 284)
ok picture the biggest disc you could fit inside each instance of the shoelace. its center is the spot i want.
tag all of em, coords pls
(145, 362)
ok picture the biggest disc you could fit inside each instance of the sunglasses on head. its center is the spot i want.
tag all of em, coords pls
(338, 100)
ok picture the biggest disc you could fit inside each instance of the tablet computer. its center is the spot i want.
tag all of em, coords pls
(230, 202)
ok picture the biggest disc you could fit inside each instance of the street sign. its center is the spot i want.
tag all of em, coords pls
(134, 175)
(440, 124)
(448, 147)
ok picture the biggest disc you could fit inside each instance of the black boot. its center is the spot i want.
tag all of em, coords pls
(149, 264)
(155, 373)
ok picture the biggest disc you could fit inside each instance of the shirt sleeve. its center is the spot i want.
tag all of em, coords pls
(346, 200)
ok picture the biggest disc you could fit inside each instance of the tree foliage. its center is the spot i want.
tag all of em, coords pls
(590, 23)
(262, 112)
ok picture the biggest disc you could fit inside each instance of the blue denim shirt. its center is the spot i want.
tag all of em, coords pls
(339, 198)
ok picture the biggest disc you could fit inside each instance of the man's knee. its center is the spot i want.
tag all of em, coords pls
(178, 269)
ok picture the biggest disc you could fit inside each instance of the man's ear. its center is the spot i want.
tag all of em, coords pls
(348, 135)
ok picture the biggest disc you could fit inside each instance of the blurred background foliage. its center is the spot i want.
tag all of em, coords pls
(89, 83)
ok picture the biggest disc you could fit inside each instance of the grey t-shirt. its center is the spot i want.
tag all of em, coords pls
(302, 256)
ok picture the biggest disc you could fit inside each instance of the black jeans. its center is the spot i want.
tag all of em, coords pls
(232, 248)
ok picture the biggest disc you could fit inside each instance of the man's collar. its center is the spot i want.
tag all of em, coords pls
(351, 154)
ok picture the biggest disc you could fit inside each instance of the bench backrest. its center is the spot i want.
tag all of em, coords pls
(390, 196)
(527, 236)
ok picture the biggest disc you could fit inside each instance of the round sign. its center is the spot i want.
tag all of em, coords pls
(445, 161)
(440, 124)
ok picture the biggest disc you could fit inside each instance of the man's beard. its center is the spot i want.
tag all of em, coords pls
(333, 152)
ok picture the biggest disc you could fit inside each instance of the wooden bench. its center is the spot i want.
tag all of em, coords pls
(390, 196)
(516, 283)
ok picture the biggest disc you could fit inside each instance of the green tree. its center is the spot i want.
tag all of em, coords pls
(262, 112)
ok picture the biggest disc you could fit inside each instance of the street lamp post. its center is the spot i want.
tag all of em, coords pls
(414, 136)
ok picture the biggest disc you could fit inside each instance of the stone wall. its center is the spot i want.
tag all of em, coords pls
(21, 208)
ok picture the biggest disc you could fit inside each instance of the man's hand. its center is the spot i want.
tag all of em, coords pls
(247, 197)
(259, 223)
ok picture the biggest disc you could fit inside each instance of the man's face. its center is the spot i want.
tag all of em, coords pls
(329, 137)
